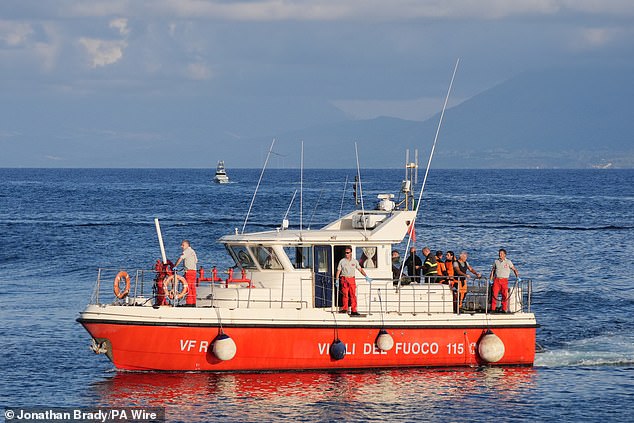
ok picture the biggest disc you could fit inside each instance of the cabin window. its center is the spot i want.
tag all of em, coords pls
(241, 256)
(267, 258)
(322, 265)
(300, 257)
(367, 257)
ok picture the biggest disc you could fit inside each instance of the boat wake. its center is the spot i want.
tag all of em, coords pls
(603, 350)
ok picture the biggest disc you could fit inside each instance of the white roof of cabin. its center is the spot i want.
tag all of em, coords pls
(391, 230)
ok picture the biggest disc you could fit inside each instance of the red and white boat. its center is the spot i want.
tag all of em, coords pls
(279, 309)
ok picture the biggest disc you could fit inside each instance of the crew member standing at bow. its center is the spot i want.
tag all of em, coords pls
(346, 269)
(501, 271)
(190, 262)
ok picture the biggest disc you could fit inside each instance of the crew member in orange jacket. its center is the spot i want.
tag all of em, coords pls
(442, 271)
(459, 288)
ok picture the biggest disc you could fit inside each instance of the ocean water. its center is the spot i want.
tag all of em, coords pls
(570, 231)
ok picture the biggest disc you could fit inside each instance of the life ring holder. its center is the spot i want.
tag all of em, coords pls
(169, 293)
(117, 289)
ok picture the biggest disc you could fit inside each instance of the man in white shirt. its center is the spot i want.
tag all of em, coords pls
(346, 269)
(501, 270)
(190, 262)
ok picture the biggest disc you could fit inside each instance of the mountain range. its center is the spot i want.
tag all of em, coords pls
(561, 118)
(548, 119)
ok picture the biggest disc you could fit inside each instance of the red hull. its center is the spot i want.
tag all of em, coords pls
(150, 347)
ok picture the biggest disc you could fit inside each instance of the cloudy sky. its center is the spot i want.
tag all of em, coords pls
(363, 58)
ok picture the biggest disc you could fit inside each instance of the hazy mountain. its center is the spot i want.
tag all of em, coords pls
(550, 119)
(146, 131)
(554, 118)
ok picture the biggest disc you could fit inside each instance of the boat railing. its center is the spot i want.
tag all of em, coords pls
(478, 293)
(387, 296)
(434, 294)
(138, 287)
(249, 295)
(378, 295)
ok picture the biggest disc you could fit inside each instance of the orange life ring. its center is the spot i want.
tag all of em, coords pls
(169, 292)
(117, 290)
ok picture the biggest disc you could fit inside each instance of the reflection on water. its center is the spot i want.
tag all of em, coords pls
(317, 396)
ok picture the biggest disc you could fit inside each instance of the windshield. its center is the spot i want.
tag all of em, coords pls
(267, 258)
(241, 255)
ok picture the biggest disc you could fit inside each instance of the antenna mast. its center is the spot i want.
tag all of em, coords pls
(431, 155)
(410, 181)
(356, 151)
(285, 219)
(258, 185)
(433, 147)
(301, 190)
(343, 196)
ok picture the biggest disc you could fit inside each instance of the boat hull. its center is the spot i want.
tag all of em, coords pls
(142, 346)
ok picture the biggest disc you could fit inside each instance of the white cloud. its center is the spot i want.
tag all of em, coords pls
(121, 25)
(379, 10)
(172, 29)
(103, 52)
(14, 34)
(596, 38)
(47, 55)
(332, 10)
(198, 71)
(100, 8)
(608, 7)
(48, 51)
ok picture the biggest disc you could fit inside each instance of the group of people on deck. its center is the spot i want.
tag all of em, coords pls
(454, 272)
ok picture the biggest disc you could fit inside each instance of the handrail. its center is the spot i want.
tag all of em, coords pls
(424, 297)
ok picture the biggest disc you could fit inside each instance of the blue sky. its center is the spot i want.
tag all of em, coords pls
(362, 59)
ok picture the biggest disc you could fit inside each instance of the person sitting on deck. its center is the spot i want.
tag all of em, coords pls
(396, 270)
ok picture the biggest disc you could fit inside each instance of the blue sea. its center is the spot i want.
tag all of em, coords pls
(570, 231)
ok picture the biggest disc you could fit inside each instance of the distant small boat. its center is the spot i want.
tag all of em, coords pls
(221, 174)
(602, 166)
